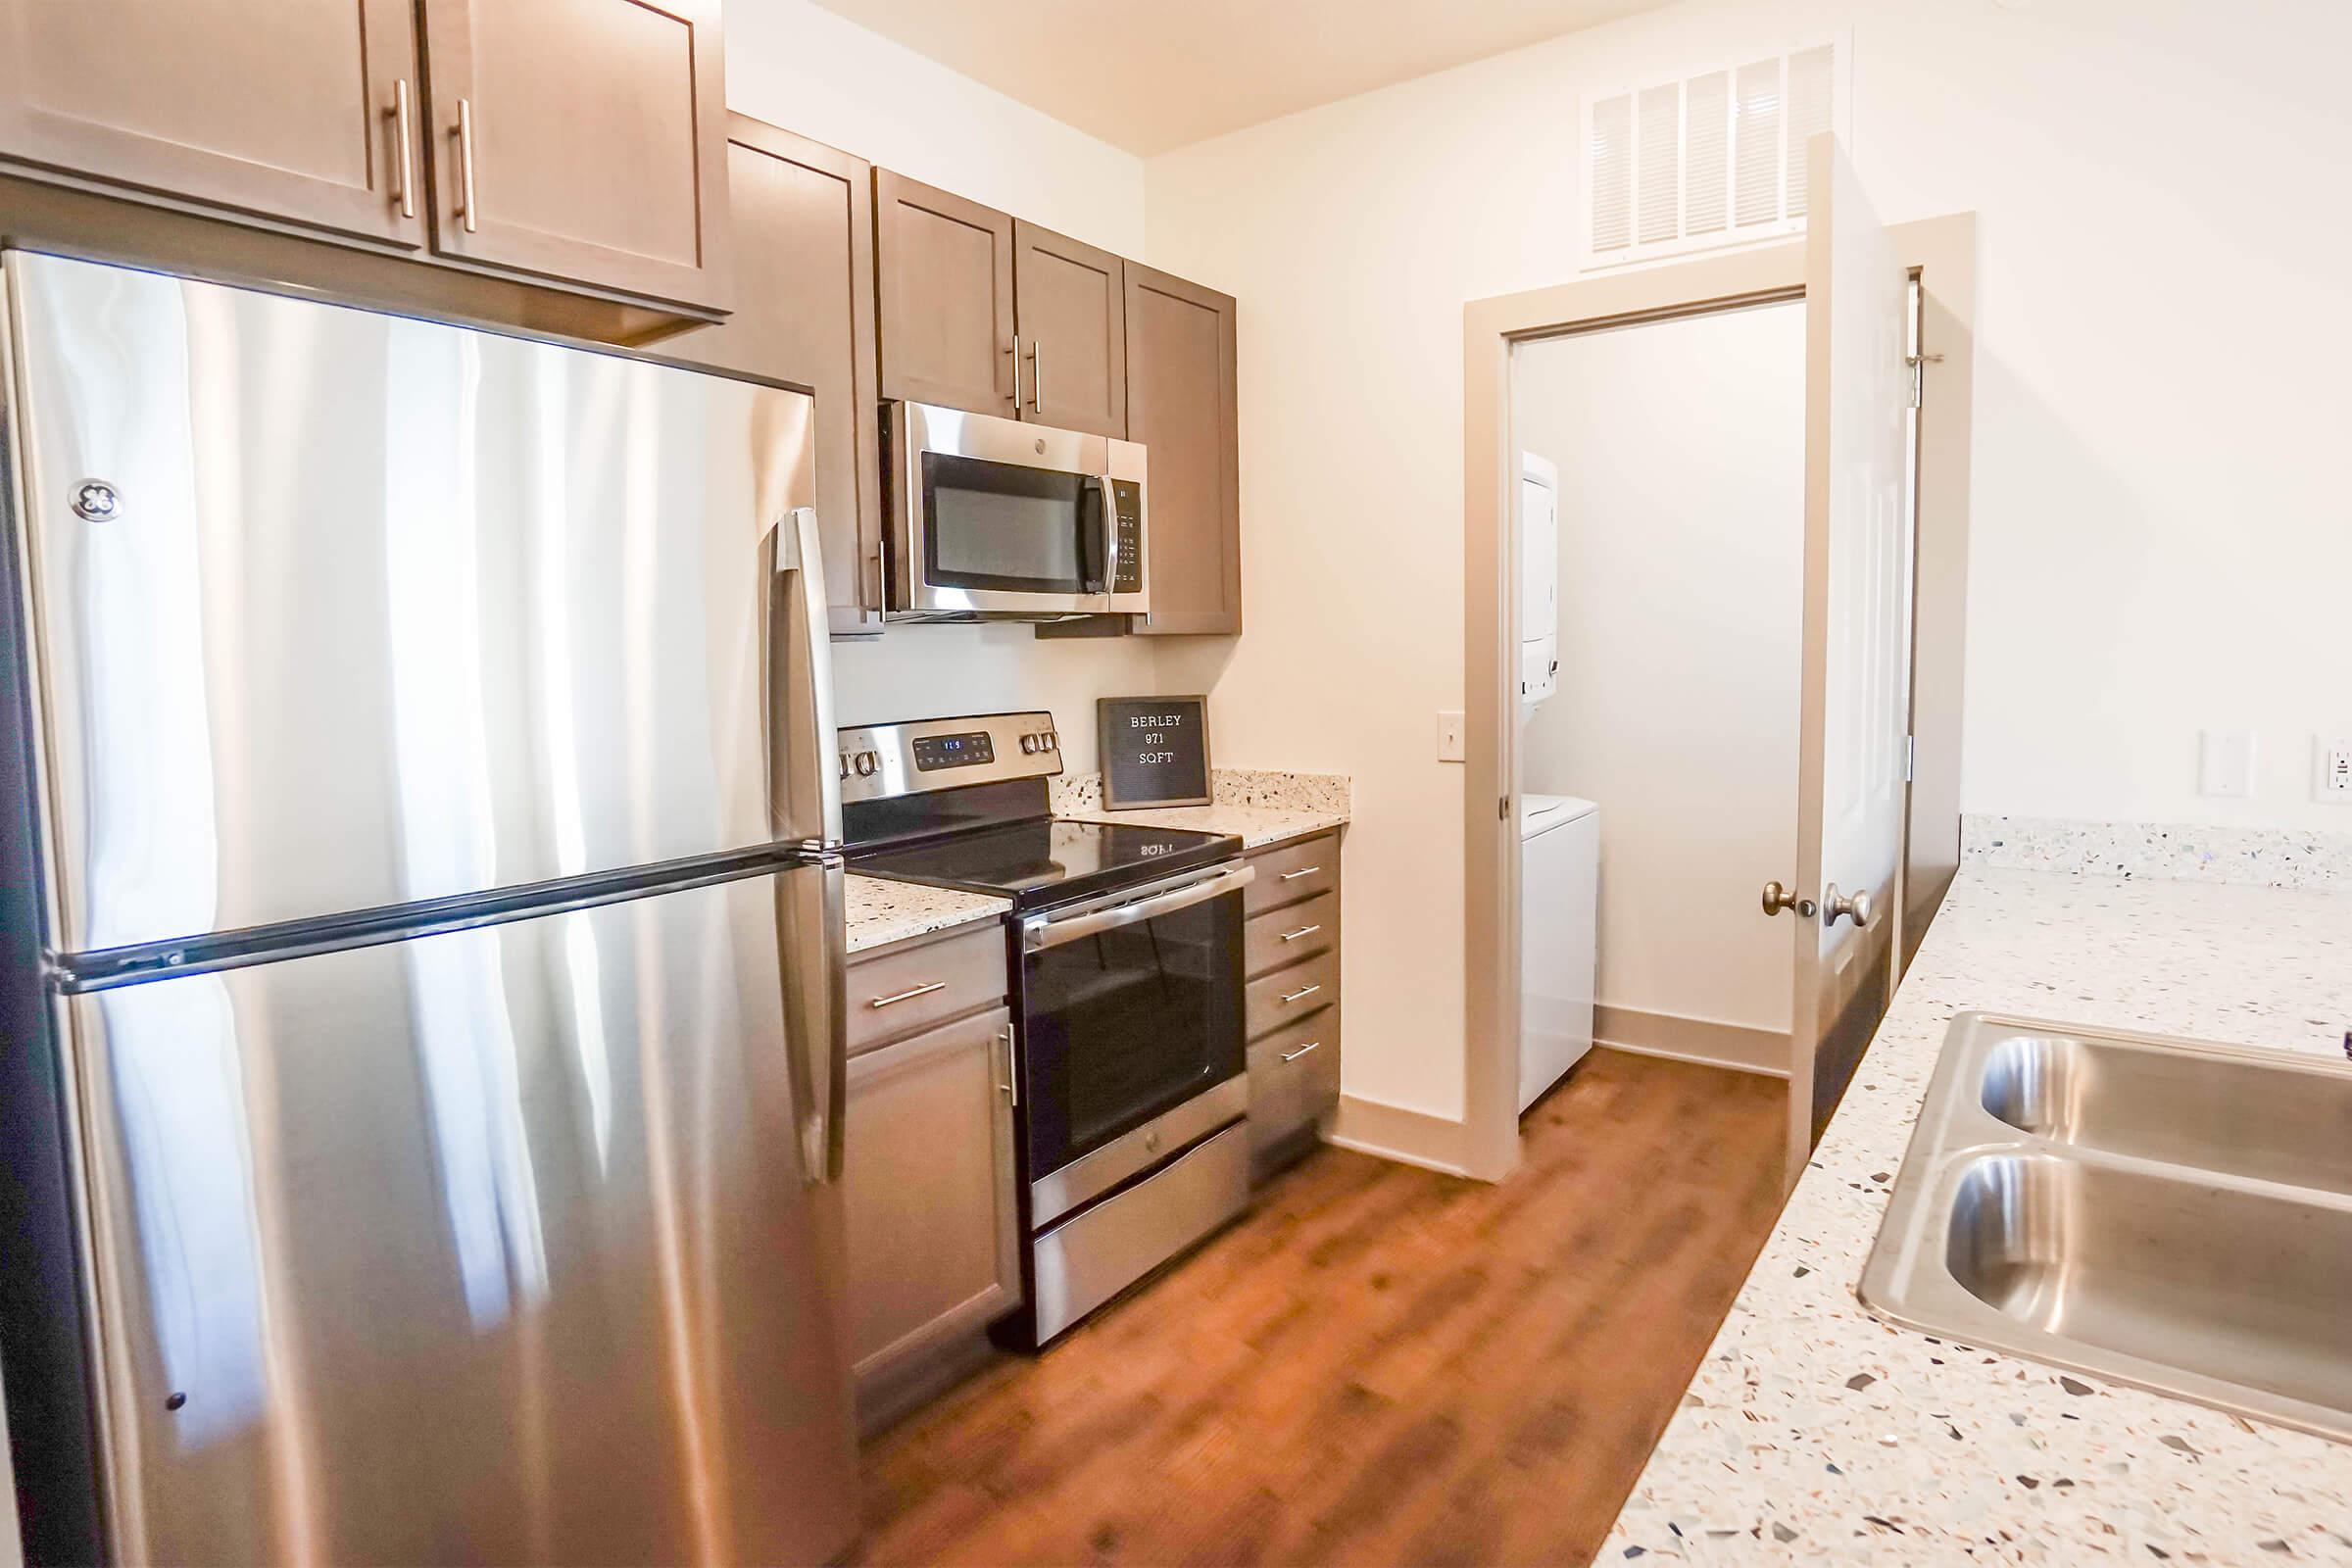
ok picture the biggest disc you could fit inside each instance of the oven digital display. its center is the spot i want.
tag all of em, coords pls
(970, 750)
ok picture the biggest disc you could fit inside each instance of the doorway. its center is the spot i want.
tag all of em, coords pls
(1672, 555)
(1831, 998)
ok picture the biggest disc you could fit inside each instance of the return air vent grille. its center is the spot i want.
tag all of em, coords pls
(1714, 158)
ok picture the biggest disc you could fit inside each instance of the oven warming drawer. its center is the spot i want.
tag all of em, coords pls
(1085, 1261)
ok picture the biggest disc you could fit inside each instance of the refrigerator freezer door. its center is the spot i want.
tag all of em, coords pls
(337, 610)
(493, 1246)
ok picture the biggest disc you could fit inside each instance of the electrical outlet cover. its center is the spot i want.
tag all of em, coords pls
(2333, 781)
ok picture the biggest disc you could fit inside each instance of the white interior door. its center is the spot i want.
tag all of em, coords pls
(1855, 703)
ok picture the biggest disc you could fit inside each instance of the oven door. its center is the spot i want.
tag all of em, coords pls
(1131, 1044)
(994, 517)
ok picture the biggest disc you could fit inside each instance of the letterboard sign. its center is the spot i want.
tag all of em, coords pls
(1154, 750)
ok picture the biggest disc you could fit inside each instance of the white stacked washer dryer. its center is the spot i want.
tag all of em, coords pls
(1559, 835)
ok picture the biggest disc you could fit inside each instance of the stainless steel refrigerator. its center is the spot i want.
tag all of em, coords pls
(423, 1075)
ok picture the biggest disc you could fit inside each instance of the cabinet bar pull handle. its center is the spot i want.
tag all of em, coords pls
(1303, 931)
(403, 159)
(1037, 376)
(1293, 1056)
(1304, 870)
(1303, 991)
(1016, 373)
(466, 163)
(909, 995)
(1011, 1087)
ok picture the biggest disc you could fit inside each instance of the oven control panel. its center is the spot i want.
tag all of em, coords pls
(973, 748)
(880, 761)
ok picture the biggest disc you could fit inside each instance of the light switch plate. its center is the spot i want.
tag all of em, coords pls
(2226, 762)
(1449, 737)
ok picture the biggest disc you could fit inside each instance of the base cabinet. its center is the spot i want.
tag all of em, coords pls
(931, 1212)
(1292, 937)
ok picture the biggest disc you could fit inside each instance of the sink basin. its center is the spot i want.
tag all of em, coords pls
(2263, 1114)
(2161, 1212)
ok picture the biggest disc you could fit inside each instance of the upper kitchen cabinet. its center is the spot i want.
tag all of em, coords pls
(805, 315)
(944, 267)
(582, 140)
(1070, 310)
(1180, 405)
(300, 113)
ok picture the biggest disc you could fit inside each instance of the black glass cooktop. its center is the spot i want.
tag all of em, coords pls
(1046, 861)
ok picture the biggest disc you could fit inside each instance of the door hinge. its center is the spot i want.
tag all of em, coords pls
(1918, 364)
(1502, 809)
(1910, 759)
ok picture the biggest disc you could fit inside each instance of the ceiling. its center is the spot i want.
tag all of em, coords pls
(1153, 74)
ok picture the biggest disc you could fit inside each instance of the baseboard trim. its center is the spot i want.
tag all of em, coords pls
(1394, 1132)
(1741, 1047)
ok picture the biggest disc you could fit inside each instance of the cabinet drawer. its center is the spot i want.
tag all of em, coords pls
(899, 992)
(1291, 934)
(1294, 1081)
(1285, 996)
(1293, 872)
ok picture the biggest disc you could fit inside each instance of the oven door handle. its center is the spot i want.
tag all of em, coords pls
(1046, 932)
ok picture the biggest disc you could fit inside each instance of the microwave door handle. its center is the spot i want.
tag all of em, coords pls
(1095, 568)
(1041, 934)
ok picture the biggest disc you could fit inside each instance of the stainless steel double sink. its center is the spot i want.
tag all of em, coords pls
(2161, 1212)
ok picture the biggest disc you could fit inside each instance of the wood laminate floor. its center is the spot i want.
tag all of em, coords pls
(1380, 1364)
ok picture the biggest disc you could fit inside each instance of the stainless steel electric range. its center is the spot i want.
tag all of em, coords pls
(1125, 951)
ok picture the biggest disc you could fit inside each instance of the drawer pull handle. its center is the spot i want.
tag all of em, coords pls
(1303, 931)
(1304, 870)
(907, 995)
(1293, 1056)
(1303, 991)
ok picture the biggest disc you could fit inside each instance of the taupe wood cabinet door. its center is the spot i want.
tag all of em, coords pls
(946, 270)
(933, 1219)
(583, 140)
(805, 315)
(1070, 309)
(1180, 405)
(290, 111)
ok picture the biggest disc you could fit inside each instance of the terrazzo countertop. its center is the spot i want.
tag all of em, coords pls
(1813, 1430)
(879, 912)
(1262, 808)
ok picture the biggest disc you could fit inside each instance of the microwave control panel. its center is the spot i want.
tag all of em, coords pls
(1127, 536)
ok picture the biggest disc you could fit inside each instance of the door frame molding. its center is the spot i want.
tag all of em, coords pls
(1941, 253)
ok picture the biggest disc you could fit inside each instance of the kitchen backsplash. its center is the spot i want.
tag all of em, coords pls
(2279, 858)
(1228, 786)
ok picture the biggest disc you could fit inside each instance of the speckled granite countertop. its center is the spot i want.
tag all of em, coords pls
(1261, 807)
(881, 913)
(1813, 1430)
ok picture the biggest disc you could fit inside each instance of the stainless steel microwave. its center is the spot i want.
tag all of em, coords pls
(994, 519)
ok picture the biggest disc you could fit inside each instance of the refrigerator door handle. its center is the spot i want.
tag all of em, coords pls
(816, 1014)
(804, 808)
(803, 785)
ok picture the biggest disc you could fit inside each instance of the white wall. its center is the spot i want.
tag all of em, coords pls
(1681, 447)
(797, 66)
(808, 71)
(2161, 536)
